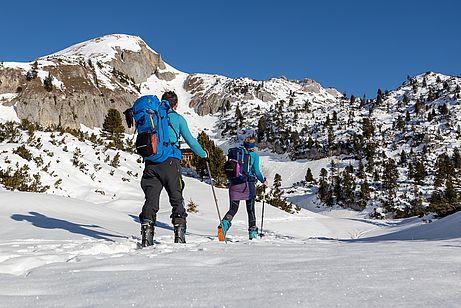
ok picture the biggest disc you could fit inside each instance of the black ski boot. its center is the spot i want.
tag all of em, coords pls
(180, 234)
(147, 232)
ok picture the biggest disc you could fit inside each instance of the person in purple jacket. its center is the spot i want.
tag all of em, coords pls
(245, 191)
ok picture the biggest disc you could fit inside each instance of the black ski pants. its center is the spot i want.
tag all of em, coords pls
(234, 207)
(157, 176)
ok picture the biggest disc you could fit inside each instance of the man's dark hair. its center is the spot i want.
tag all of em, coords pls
(171, 97)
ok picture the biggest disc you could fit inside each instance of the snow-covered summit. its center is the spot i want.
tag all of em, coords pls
(103, 48)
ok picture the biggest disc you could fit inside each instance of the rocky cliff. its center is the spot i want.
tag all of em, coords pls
(79, 84)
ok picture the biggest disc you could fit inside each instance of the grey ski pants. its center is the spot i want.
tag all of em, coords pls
(157, 176)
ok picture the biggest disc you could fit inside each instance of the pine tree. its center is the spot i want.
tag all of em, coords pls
(310, 143)
(450, 193)
(367, 128)
(309, 178)
(370, 152)
(324, 188)
(116, 161)
(390, 177)
(48, 82)
(400, 125)
(406, 99)
(113, 127)
(277, 192)
(417, 208)
(444, 170)
(216, 160)
(364, 195)
(430, 116)
(407, 116)
(239, 116)
(456, 158)
(419, 171)
(418, 106)
(330, 137)
(335, 117)
(353, 98)
(276, 196)
(347, 187)
(361, 170)
(446, 202)
(261, 128)
(379, 98)
(403, 157)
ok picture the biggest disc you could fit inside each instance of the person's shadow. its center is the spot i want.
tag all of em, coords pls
(45, 222)
(159, 224)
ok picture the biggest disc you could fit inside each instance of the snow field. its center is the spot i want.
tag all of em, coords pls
(56, 249)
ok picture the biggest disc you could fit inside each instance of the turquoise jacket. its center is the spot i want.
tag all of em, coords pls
(254, 166)
(179, 128)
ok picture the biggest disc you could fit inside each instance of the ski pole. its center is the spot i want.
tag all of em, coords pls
(261, 234)
(214, 195)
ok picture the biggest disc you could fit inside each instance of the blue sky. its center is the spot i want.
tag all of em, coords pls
(354, 46)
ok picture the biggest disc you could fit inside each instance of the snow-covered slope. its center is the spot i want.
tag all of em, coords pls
(76, 244)
(59, 251)
(445, 228)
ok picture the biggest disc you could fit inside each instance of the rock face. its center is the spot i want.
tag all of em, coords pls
(76, 100)
(141, 65)
(79, 84)
(211, 93)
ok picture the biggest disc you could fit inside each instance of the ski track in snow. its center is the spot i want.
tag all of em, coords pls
(279, 271)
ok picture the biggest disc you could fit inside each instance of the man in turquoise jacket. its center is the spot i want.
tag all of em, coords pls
(167, 174)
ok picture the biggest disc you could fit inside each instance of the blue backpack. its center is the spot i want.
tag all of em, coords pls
(151, 122)
(238, 164)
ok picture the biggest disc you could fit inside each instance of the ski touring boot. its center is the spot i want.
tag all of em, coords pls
(252, 233)
(222, 230)
(147, 233)
(180, 234)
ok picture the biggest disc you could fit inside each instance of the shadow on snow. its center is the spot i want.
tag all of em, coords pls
(159, 224)
(45, 222)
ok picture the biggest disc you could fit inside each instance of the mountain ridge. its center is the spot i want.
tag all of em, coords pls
(355, 143)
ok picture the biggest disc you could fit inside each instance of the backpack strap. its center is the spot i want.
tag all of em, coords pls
(246, 153)
(249, 162)
(178, 143)
(151, 121)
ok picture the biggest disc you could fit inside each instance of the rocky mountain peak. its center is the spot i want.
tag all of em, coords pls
(80, 83)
